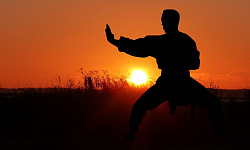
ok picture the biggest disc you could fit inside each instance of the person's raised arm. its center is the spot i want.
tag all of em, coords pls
(110, 36)
(137, 48)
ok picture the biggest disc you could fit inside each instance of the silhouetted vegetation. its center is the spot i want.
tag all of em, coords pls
(93, 114)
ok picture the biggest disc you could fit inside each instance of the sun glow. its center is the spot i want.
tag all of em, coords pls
(138, 77)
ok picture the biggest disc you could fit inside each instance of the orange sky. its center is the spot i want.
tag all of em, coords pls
(42, 39)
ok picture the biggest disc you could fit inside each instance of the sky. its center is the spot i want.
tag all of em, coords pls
(43, 39)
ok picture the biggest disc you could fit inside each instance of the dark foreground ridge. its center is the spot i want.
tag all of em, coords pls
(98, 120)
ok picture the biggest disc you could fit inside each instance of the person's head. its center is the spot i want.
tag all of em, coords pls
(170, 20)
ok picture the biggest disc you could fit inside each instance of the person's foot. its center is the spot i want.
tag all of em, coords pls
(131, 135)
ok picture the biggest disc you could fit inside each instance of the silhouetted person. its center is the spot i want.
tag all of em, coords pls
(176, 54)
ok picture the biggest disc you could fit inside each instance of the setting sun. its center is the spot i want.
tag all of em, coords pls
(138, 77)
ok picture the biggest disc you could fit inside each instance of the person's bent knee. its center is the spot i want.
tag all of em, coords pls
(142, 108)
(139, 107)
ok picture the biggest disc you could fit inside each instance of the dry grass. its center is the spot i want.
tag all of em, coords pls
(93, 114)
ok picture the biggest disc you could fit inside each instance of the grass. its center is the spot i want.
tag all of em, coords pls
(93, 114)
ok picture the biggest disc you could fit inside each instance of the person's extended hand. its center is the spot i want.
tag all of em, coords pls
(109, 35)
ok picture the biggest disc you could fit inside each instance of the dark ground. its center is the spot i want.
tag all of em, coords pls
(94, 121)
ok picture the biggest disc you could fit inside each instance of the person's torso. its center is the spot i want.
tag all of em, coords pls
(172, 52)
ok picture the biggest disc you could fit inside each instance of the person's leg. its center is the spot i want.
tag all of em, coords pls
(152, 98)
(200, 96)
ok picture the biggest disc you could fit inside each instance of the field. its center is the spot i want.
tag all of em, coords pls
(95, 117)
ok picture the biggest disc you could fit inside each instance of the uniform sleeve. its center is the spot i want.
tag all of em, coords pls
(195, 56)
(139, 48)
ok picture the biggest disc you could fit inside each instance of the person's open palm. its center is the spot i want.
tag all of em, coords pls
(109, 35)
